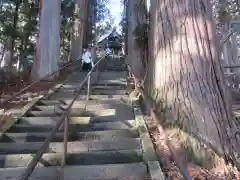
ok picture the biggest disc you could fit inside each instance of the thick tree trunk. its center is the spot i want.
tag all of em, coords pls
(90, 15)
(125, 27)
(235, 59)
(136, 15)
(78, 29)
(48, 45)
(186, 70)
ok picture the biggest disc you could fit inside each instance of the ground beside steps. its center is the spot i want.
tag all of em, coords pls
(108, 138)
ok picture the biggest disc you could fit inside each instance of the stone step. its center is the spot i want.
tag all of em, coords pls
(61, 95)
(21, 128)
(133, 171)
(46, 113)
(49, 102)
(84, 158)
(97, 101)
(72, 120)
(121, 74)
(121, 110)
(111, 82)
(99, 87)
(93, 97)
(53, 108)
(104, 92)
(73, 147)
(75, 112)
(75, 136)
(67, 90)
(96, 122)
(104, 104)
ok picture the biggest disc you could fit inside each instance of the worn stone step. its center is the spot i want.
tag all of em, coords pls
(92, 97)
(62, 95)
(18, 128)
(98, 87)
(67, 90)
(53, 108)
(72, 120)
(52, 111)
(73, 147)
(111, 82)
(49, 102)
(73, 136)
(86, 122)
(46, 113)
(97, 101)
(75, 112)
(114, 74)
(108, 83)
(133, 171)
(104, 92)
(119, 111)
(103, 104)
(95, 112)
(84, 158)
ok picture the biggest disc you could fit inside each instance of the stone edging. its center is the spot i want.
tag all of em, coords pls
(149, 154)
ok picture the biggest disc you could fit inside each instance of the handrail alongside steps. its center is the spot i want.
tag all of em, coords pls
(63, 119)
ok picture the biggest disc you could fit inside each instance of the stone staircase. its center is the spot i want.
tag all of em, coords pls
(108, 139)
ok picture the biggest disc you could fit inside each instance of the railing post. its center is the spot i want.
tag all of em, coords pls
(60, 175)
(88, 87)
(65, 143)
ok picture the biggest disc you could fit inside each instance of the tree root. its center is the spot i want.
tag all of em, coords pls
(193, 148)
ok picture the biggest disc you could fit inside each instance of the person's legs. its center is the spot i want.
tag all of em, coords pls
(84, 67)
(88, 66)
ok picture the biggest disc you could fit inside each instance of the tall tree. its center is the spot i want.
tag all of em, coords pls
(10, 19)
(186, 71)
(78, 29)
(67, 25)
(48, 47)
(137, 37)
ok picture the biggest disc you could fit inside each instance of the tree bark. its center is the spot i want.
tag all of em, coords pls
(136, 17)
(90, 17)
(48, 45)
(13, 37)
(186, 72)
(78, 29)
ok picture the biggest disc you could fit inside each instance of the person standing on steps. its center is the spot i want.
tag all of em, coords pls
(87, 62)
(108, 51)
(107, 55)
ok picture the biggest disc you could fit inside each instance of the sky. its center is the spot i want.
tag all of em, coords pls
(116, 8)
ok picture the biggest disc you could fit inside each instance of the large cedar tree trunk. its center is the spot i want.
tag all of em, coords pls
(186, 71)
(48, 45)
(136, 19)
(78, 29)
(89, 22)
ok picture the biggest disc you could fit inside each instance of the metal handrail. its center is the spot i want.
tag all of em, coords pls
(31, 166)
(30, 85)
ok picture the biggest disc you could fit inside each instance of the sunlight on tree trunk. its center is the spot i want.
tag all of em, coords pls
(136, 16)
(187, 73)
(78, 29)
(48, 45)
